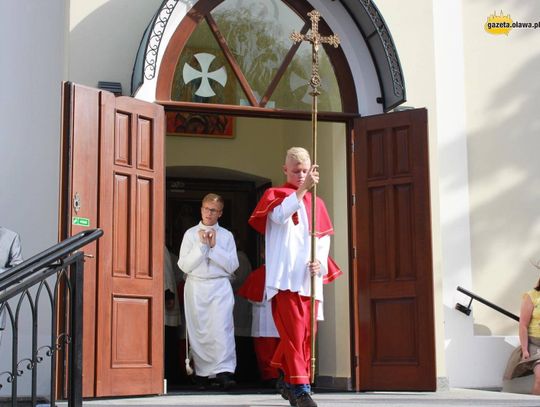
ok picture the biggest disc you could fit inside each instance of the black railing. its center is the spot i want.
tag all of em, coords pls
(50, 281)
(467, 309)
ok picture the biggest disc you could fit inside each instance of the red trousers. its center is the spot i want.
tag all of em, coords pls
(264, 350)
(292, 317)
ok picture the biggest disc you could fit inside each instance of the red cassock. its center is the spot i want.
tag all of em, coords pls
(291, 311)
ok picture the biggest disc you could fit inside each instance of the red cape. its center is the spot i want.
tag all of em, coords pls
(274, 196)
(253, 287)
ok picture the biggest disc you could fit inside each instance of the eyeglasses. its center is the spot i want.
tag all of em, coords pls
(210, 210)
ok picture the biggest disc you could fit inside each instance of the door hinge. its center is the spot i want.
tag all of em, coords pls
(356, 361)
(354, 252)
(353, 199)
(352, 147)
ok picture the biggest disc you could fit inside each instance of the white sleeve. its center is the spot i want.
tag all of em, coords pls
(192, 252)
(226, 257)
(323, 248)
(282, 213)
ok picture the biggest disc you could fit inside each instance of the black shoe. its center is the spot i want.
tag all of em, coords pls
(288, 394)
(269, 384)
(305, 400)
(201, 382)
(225, 380)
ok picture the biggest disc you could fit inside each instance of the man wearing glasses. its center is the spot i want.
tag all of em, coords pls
(208, 257)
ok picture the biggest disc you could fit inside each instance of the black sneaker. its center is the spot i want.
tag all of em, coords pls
(225, 380)
(305, 400)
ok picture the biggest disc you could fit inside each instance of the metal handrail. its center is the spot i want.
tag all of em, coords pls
(23, 284)
(467, 309)
(46, 258)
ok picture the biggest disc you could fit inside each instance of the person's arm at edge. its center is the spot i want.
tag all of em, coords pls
(525, 315)
(15, 254)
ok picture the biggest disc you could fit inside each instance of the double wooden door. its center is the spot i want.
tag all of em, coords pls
(112, 178)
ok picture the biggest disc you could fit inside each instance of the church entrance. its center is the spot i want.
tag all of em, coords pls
(240, 170)
(234, 90)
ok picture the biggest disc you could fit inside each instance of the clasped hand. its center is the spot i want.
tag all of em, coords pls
(207, 237)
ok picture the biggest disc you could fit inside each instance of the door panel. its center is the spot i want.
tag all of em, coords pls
(392, 237)
(80, 130)
(130, 310)
(113, 157)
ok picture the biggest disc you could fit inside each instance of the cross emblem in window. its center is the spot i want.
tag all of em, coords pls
(205, 88)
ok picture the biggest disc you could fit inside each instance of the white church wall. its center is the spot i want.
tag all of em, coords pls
(30, 81)
(501, 73)
(412, 27)
(104, 37)
(453, 184)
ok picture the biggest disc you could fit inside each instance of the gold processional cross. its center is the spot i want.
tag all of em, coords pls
(315, 81)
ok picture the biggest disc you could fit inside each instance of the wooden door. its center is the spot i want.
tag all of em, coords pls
(79, 200)
(393, 284)
(116, 148)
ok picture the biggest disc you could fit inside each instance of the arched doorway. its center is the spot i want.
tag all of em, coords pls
(214, 65)
(396, 214)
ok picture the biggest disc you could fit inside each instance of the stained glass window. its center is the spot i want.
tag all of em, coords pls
(254, 36)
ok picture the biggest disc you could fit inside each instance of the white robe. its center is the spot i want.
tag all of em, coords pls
(209, 299)
(242, 307)
(288, 251)
(171, 279)
(262, 325)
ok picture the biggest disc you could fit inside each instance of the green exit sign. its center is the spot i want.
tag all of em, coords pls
(77, 220)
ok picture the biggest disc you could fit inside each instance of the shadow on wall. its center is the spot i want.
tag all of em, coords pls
(504, 187)
(507, 214)
(103, 45)
(504, 194)
(504, 222)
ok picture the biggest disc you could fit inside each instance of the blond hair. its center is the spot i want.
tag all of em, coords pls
(297, 154)
(214, 198)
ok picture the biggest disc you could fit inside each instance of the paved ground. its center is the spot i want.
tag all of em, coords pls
(452, 397)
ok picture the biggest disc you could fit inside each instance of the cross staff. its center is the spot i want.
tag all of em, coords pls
(315, 39)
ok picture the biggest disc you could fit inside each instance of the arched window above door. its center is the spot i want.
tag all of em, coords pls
(367, 50)
(238, 52)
